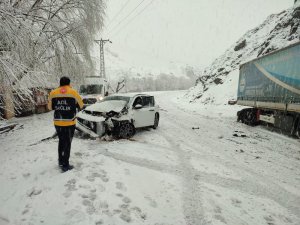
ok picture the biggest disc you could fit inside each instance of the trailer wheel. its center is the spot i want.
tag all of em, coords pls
(297, 133)
(249, 116)
(240, 116)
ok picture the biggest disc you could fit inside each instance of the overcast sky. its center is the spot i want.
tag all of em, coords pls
(190, 32)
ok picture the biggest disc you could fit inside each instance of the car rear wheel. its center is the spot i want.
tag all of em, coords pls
(156, 121)
(126, 130)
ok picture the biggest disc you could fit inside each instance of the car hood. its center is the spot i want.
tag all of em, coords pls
(107, 106)
(90, 96)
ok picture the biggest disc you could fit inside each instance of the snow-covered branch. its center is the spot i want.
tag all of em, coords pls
(40, 37)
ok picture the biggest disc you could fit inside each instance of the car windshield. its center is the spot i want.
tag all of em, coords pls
(117, 98)
(90, 89)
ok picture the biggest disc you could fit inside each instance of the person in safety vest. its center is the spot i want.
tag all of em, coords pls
(65, 102)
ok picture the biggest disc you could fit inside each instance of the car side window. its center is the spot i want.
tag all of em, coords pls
(146, 101)
(152, 102)
(138, 101)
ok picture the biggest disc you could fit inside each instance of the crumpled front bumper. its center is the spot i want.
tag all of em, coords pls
(88, 131)
(94, 126)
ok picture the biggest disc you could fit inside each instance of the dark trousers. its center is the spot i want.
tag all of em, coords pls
(65, 135)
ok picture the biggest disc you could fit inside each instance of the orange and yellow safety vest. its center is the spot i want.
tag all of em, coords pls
(64, 101)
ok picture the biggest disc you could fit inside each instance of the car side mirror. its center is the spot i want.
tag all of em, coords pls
(138, 106)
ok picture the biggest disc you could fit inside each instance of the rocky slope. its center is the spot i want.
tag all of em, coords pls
(277, 31)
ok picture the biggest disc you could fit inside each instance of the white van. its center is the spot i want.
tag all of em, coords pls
(93, 90)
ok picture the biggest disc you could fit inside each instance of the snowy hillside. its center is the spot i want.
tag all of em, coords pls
(115, 65)
(276, 32)
(174, 76)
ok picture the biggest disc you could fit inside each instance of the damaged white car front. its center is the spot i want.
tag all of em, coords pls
(105, 117)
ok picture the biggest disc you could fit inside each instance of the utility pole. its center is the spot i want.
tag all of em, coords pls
(101, 43)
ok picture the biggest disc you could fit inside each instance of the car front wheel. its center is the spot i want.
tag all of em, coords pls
(156, 121)
(126, 130)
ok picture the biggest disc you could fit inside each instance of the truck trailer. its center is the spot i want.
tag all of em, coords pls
(270, 87)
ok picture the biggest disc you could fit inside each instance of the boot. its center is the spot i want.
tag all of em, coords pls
(66, 168)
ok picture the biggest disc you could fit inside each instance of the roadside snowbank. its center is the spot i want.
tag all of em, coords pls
(214, 101)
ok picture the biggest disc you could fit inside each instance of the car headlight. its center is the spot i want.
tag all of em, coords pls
(99, 97)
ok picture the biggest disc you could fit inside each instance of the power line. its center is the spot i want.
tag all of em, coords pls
(132, 18)
(132, 11)
(118, 13)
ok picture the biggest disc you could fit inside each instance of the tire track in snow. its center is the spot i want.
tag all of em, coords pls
(192, 206)
(192, 201)
(255, 184)
(146, 163)
(251, 183)
(192, 186)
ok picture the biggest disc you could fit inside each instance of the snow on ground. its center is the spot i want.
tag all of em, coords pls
(170, 176)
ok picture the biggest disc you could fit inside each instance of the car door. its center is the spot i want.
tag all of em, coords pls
(148, 103)
(144, 116)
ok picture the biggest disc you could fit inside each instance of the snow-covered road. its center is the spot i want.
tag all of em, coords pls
(220, 172)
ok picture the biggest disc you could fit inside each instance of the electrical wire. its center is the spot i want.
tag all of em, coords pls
(132, 11)
(118, 13)
(132, 18)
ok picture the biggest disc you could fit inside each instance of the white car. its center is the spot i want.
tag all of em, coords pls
(119, 115)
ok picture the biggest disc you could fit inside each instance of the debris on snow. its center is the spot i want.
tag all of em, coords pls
(33, 191)
(6, 127)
